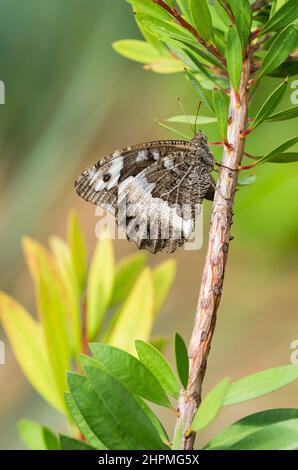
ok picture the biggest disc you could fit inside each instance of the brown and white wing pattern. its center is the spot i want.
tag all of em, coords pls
(153, 189)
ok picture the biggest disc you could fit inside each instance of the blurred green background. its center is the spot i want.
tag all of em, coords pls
(70, 99)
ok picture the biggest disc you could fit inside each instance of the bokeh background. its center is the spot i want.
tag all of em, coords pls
(70, 99)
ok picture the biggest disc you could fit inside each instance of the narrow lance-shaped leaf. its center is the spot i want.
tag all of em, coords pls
(201, 18)
(77, 249)
(150, 8)
(234, 57)
(280, 49)
(159, 367)
(249, 425)
(243, 17)
(204, 95)
(139, 51)
(210, 406)
(163, 278)
(285, 115)
(69, 443)
(184, 8)
(192, 119)
(165, 65)
(126, 274)
(284, 16)
(270, 104)
(100, 285)
(27, 341)
(36, 436)
(182, 361)
(135, 320)
(221, 107)
(277, 152)
(131, 372)
(164, 29)
(261, 383)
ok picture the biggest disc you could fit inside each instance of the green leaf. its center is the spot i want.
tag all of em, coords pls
(28, 344)
(112, 413)
(192, 119)
(140, 51)
(126, 274)
(270, 104)
(234, 57)
(165, 65)
(184, 8)
(221, 107)
(131, 372)
(248, 426)
(205, 95)
(164, 29)
(69, 443)
(135, 320)
(150, 8)
(282, 46)
(210, 406)
(81, 423)
(201, 68)
(182, 361)
(176, 445)
(62, 256)
(287, 69)
(285, 115)
(277, 152)
(52, 308)
(287, 157)
(201, 18)
(154, 420)
(261, 383)
(159, 367)
(37, 437)
(100, 285)
(163, 278)
(77, 249)
(243, 17)
(284, 16)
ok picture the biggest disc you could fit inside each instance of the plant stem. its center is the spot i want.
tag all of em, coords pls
(216, 258)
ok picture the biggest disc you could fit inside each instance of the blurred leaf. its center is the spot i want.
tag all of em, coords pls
(176, 445)
(63, 260)
(150, 8)
(261, 383)
(270, 104)
(285, 115)
(27, 341)
(221, 107)
(159, 343)
(52, 308)
(112, 413)
(126, 274)
(234, 57)
(210, 406)
(251, 424)
(37, 437)
(151, 39)
(280, 49)
(159, 367)
(99, 285)
(201, 18)
(165, 65)
(284, 16)
(175, 131)
(81, 423)
(251, 179)
(275, 154)
(164, 29)
(182, 361)
(135, 320)
(69, 443)
(243, 17)
(77, 249)
(204, 95)
(131, 372)
(140, 51)
(163, 278)
(192, 119)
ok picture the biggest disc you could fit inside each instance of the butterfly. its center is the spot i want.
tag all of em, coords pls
(153, 189)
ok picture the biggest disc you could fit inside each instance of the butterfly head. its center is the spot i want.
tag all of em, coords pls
(201, 144)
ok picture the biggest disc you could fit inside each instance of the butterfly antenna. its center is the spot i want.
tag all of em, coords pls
(197, 115)
(186, 116)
